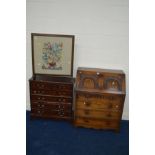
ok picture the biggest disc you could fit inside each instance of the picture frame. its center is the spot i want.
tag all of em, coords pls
(52, 54)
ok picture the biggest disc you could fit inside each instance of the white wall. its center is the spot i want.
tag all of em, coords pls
(100, 28)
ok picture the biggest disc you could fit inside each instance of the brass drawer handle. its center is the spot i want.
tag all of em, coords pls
(98, 73)
(34, 91)
(61, 113)
(39, 111)
(86, 103)
(117, 106)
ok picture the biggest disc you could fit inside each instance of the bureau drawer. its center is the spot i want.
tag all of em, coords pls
(51, 99)
(99, 98)
(52, 92)
(97, 124)
(98, 114)
(51, 86)
(98, 105)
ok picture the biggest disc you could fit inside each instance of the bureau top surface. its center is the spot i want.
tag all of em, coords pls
(100, 70)
(56, 79)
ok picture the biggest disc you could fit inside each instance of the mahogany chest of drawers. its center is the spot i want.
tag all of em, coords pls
(51, 97)
(99, 98)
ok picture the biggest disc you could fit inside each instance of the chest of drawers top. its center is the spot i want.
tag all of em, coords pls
(52, 79)
(100, 80)
(51, 85)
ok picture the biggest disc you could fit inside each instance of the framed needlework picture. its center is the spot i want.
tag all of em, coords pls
(52, 54)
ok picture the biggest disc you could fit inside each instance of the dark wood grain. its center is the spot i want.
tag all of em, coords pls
(51, 97)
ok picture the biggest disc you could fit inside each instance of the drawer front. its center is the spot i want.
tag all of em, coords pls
(50, 86)
(98, 114)
(52, 92)
(98, 98)
(116, 106)
(50, 113)
(53, 106)
(51, 99)
(97, 124)
(51, 109)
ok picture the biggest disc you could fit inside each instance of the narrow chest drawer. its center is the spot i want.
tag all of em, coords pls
(50, 112)
(98, 114)
(97, 124)
(51, 109)
(51, 99)
(52, 92)
(53, 106)
(50, 86)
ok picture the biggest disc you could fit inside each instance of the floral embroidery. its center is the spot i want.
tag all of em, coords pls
(52, 56)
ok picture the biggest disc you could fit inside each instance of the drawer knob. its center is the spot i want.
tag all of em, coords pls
(98, 73)
(117, 106)
(34, 91)
(86, 103)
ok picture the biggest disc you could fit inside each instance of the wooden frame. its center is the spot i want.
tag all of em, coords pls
(52, 54)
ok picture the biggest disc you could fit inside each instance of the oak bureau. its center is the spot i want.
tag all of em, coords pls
(99, 98)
